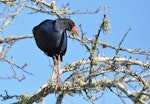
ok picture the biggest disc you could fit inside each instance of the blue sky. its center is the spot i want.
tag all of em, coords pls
(123, 15)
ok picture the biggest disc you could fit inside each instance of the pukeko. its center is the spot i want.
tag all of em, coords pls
(51, 38)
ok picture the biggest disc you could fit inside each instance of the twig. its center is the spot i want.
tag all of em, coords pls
(84, 42)
(7, 96)
(12, 16)
(114, 65)
(14, 38)
(94, 46)
(71, 87)
(54, 10)
(87, 12)
(60, 98)
(105, 45)
(15, 65)
(117, 51)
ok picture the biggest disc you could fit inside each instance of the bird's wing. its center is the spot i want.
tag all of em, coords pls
(43, 35)
(37, 32)
(64, 45)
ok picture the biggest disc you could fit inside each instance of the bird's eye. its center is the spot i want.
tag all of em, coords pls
(73, 23)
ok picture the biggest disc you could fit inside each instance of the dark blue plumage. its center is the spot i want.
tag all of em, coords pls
(51, 37)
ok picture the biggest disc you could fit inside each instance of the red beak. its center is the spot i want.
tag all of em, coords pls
(74, 30)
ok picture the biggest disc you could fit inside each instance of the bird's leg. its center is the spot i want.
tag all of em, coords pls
(54, 68)
(58, 75)
(58, 63)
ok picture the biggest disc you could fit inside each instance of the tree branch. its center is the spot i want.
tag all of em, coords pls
(77, 87)
(70, 67)
(106, 45)
(14, 38)
(12, 15)
(60, 98)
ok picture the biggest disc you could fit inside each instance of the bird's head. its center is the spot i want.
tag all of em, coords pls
(67, 24)
(74, 28)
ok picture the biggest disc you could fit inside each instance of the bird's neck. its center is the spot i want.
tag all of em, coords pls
(62, 25)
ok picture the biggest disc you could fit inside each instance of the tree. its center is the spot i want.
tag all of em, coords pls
(126, 77)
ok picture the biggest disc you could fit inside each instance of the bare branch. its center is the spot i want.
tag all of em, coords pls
(69, 67)
(14, 38)
(7, 96)
(94, 45)
(76, 87)
(14, 67)
(60, 98)
(95, 70)
(51, 8)
(11, 16)
(106, 45)
(117, 51)
(87, 12)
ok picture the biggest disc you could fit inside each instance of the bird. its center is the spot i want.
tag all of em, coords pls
(51, 37)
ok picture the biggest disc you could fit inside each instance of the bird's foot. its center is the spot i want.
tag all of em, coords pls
(58, 82)
(58, 79)
(57, 85)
